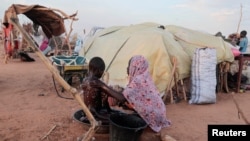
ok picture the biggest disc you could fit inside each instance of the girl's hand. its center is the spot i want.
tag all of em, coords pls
(130, 106)
(112, 101)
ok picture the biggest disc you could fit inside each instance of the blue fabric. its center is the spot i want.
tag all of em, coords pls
(243, 44)
(47, 50)
(68, 60)
(78, 44)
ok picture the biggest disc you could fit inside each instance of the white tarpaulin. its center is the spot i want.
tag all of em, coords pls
(117, 44)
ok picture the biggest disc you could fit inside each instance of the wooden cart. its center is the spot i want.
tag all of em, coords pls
(71, 68)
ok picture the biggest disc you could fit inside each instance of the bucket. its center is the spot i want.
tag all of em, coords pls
(126, 127)
(103, 128)
(81, 117)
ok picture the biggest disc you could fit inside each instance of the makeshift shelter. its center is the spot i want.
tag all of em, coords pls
(52, 25)
(51, 22)
(117, 44)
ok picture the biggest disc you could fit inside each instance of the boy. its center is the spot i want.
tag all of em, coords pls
(243, 43)
(94, 98)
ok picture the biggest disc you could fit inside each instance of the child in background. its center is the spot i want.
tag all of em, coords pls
(243, 42)
(8, 41)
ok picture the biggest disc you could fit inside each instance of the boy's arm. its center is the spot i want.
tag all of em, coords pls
(108, 90)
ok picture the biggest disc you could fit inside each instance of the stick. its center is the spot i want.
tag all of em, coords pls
(61, 12)
(239, 110)
(171, 79)
(45, 136)
(68, 35)
(183, 90)
(176, 82)
(240, 18)
(56, 45)
(58, 77)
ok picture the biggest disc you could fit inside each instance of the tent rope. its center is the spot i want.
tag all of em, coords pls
(116, 54)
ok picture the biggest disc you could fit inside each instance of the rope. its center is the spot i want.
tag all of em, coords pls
(57, 90)
(116, 54)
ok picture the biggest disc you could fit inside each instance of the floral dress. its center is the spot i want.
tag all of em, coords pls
(143, 95)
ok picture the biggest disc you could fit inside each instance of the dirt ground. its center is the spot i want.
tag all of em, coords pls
(30, 108)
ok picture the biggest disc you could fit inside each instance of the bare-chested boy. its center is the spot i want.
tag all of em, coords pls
(96, 99)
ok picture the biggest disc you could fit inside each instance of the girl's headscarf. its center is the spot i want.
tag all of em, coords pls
(143, 95)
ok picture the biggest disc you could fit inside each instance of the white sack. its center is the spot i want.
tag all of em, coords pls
(203, 76)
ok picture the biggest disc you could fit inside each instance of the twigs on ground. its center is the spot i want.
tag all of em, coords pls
(240, 113)
(46, 136)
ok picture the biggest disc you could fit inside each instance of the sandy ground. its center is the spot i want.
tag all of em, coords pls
(30, 108)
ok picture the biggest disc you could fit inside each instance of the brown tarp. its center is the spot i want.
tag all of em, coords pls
(51, 22)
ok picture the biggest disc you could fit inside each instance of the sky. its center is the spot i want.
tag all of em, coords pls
(209, 16)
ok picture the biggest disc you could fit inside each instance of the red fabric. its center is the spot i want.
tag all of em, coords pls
(7, 39)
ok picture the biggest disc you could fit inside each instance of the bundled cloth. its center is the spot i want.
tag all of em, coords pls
(25, 57)
(203, 76)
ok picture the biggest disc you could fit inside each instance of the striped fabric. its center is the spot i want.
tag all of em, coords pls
(203, 76)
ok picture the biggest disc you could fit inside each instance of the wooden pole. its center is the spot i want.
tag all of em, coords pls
(174, 61)
(61, 12)
(240, 19)
(68, 35)
(56, 45)
(57, 76)
(240, 112)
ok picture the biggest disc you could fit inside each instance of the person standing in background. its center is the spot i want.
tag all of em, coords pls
(8, 41)
(53, 43)
(78, 44)
(243, 42)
